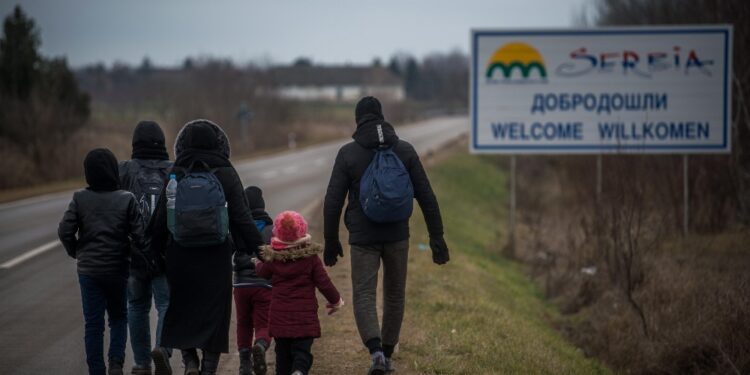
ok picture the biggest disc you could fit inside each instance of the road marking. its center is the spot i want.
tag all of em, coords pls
(269, 174)
(290, 169)
(30, 254)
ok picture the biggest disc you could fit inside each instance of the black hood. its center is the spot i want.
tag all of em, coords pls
(368, 109)
(100, 168)
(185, 140)
(368, 134)
(148, 141)
(202, 140)
(257, 204)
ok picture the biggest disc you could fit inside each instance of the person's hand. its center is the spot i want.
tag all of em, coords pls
(332, 252)
(255, 261)
(439, 248)
(333, 307)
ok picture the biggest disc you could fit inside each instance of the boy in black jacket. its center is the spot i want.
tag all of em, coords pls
(252, 293)
(97, 230)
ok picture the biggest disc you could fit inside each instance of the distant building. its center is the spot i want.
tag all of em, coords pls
(336, 83)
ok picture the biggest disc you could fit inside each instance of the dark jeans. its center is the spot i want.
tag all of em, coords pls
(140, 292)
(252, 305)
(100, 294)
(293, 354)
(366, 261)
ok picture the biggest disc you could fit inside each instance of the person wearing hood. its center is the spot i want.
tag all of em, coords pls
(252, 293)
(371, 242)
(144, 175)
(200, 276)
(99, 229)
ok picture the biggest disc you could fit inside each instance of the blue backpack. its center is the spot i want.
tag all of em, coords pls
(385, 191)
(201, 216)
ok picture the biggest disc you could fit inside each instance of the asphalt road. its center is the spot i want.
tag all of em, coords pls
(41, 322)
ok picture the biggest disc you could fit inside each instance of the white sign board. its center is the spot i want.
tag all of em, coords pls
(634, 89)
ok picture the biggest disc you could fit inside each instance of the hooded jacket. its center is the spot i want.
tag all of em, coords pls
(295, 274)
(351, 162)
(101, 221)
(244, 269)
(149, 157)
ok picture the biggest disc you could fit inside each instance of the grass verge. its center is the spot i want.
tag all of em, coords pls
(480, 313)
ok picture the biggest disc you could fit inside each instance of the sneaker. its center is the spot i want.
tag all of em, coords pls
(259, 359)
(141, 370)
(246, 363)
(389, 365)
(378, 364)
(161, 361)
(115, 366)
(298, 372)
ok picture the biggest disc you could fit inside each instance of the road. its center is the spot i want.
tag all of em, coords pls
(41, 322)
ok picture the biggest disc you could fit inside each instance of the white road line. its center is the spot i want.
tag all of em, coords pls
(269, 174)
(30, 254)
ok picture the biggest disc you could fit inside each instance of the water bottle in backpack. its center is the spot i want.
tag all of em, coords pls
(171, 192)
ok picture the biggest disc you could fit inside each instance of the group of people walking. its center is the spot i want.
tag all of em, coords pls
(189, 237)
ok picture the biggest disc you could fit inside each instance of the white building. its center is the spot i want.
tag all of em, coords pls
(339, 84)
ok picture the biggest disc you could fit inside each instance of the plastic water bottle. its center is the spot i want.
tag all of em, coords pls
(171, 192)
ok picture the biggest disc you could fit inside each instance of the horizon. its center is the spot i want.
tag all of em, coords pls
(89, 33)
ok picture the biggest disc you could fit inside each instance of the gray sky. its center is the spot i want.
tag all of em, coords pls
(328, 31)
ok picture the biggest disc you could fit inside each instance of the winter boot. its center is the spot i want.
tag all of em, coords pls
(210, 363)
(141, 370)
(191, 361)
(161, 361)
(115, 366)
(246, 363)
(378, 364)
(389, 365)
(259, 357)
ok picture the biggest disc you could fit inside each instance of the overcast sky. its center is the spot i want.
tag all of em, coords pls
(328, 31)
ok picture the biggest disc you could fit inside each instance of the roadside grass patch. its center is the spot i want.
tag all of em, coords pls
(479, 314)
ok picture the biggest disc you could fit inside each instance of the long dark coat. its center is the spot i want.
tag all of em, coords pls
(200, 279)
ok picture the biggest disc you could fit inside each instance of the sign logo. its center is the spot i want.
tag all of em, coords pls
(516, 62)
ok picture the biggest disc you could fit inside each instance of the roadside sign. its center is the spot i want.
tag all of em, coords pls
(627, 89)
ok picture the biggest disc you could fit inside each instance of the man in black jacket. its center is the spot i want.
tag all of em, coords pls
(144, 175)
(373, 242)
(98, 229)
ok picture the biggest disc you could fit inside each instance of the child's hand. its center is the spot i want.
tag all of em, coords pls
(255, 260)
(333, 307)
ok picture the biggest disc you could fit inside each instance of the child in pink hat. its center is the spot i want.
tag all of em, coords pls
(292, 264)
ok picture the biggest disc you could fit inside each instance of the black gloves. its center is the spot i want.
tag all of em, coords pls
(332, 251)
(439, 250)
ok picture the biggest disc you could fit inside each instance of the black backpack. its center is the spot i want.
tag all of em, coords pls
(146, 181)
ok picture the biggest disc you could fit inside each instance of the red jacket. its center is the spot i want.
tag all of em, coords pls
(294, 274)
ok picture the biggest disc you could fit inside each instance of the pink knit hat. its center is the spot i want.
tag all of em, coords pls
(289, 226)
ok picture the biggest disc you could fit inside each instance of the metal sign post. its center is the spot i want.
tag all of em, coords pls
(512, 214)
(685, 196)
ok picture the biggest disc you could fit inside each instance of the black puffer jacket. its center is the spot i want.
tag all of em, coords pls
(244, 268)
(351, 162)
(101, 221)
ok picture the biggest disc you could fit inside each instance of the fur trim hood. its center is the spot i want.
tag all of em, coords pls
(291, 254)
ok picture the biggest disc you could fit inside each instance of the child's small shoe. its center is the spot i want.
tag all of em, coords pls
(246, 363)
(378, 364)
(259, 358)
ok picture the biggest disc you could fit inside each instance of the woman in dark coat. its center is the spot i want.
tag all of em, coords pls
(200, 278)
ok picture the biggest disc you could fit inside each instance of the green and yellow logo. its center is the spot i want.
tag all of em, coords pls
(516, 57)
